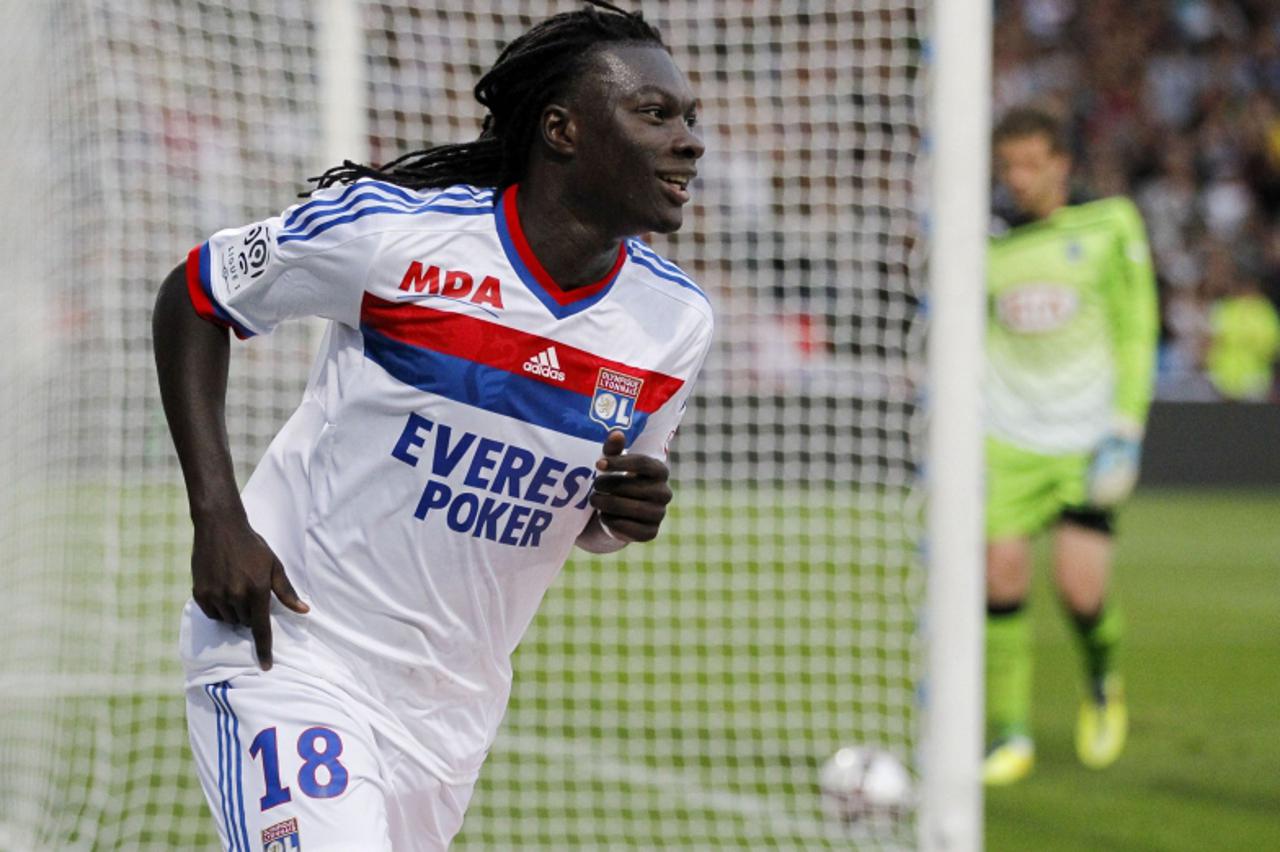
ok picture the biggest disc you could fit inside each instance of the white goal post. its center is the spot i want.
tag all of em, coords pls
(818, 580)
(951, 806)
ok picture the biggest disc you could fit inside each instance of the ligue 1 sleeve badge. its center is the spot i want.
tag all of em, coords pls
(613, 405)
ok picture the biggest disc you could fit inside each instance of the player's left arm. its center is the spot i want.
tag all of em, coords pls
(631, 490)
(1134, 317)
(1134, 314)
(630, 498)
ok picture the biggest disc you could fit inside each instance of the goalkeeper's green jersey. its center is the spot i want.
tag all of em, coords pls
(1072, 327)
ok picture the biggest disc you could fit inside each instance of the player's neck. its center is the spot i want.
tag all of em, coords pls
(1052, 204)
(571, 245)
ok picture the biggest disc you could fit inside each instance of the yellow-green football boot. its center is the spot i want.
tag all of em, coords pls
(1009, 761)
(1103, 724)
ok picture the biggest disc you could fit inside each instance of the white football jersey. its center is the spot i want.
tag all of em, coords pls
(433, 480)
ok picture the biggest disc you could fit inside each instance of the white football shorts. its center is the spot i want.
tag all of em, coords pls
(288, 764)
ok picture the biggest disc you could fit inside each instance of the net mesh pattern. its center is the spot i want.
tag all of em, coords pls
(680, 695)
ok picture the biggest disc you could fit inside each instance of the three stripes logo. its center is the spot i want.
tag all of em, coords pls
(545, 364)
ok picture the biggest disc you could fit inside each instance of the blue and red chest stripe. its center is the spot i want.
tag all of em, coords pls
(480, 363)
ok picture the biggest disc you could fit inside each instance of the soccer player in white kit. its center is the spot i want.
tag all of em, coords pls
(498, 334)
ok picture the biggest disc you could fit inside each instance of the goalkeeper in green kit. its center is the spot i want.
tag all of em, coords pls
(1071, 348)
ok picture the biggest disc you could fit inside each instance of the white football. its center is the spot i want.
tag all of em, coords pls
(860, 783)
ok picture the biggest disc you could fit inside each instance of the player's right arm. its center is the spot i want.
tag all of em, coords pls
(233, 571)
(312, 260)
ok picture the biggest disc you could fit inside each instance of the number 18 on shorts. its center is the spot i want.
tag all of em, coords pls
(287, 766)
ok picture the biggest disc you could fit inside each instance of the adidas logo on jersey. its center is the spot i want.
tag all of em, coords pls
(545, 363)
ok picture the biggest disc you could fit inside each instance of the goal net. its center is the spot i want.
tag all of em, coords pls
(682, 694)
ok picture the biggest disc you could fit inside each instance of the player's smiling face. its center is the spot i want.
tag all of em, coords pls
(637, 150)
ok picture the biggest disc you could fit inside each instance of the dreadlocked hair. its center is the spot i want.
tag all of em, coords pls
(529, 72)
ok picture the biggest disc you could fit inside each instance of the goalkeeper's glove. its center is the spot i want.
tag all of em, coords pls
(1114, 469)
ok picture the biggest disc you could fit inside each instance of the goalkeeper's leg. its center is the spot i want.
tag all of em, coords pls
(1011, 755)
(1082, 562)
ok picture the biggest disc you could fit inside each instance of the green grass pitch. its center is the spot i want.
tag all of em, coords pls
(1197, 573)
(1199, 577)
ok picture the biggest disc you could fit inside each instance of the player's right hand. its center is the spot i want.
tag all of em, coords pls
(234, 573)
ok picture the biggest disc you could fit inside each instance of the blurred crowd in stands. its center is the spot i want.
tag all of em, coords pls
(1175, 103)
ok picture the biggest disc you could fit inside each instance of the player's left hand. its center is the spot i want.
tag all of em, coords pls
(631, 491)
(1113, 470)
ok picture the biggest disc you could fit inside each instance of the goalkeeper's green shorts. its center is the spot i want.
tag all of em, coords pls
(1027, 491)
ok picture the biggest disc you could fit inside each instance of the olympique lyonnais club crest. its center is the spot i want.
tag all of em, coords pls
(282, 837)
(613, 405)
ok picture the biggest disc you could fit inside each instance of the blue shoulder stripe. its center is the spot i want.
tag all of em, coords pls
(360, 213)
(661, 261)
(684, 282)
(307, 210)
(305, 223)
(314, 204)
